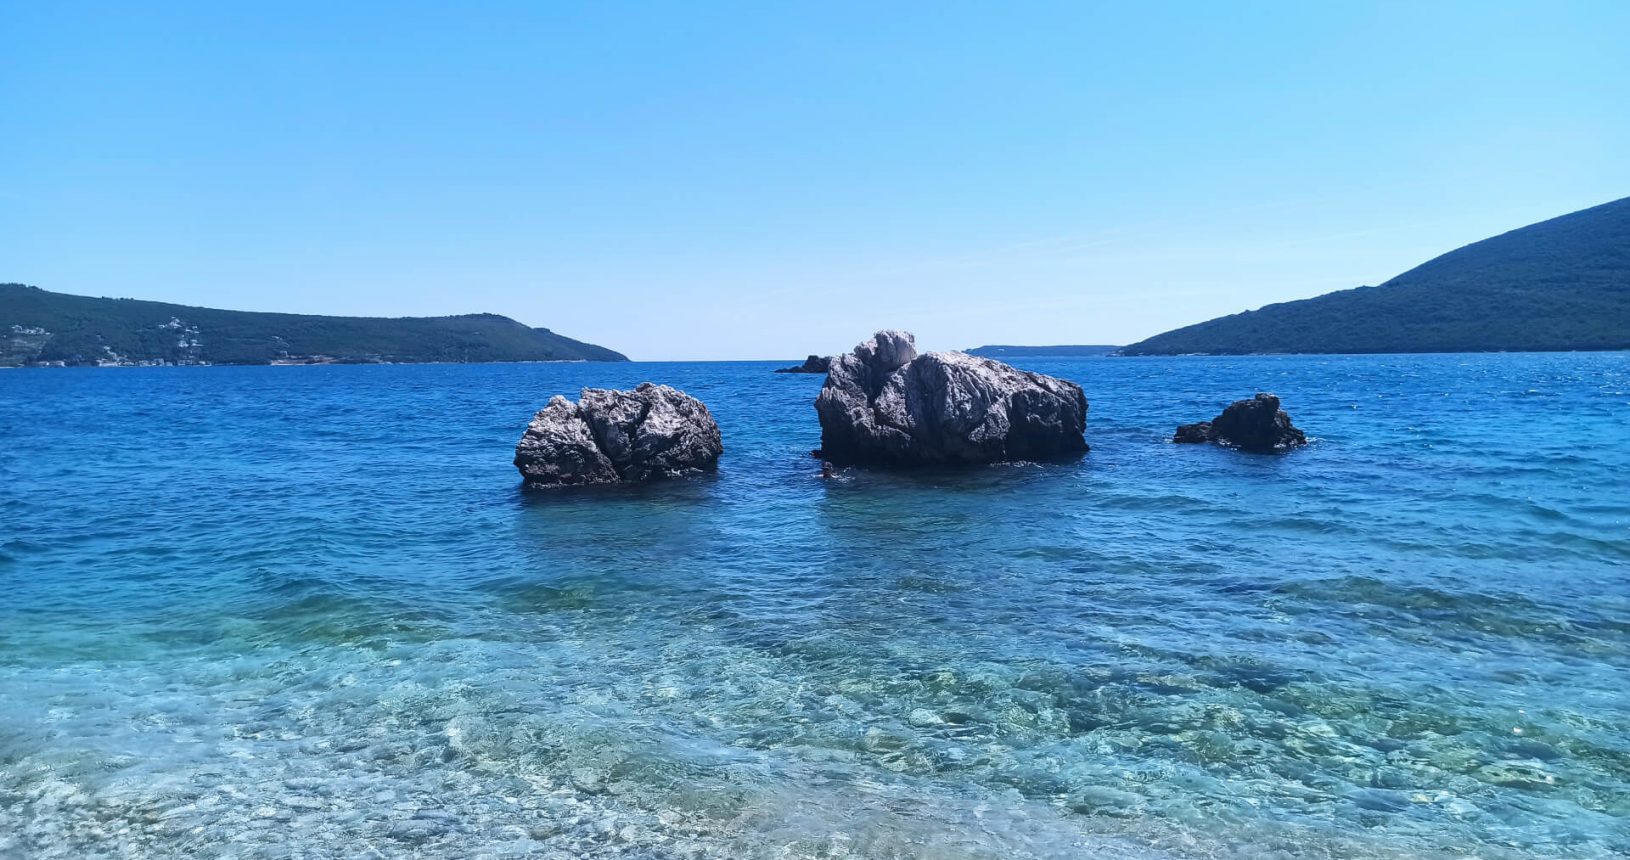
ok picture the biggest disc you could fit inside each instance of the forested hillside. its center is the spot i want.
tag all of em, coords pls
(1562, 284)
(40, 327)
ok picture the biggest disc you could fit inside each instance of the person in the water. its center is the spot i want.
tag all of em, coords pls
(826, 469)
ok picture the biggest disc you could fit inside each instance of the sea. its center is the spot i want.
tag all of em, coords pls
(309, 612)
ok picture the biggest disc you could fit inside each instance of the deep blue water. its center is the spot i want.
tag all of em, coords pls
(307, 612)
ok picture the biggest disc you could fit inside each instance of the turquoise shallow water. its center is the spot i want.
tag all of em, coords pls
(307, 612)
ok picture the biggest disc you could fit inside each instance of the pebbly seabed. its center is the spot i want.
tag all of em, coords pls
(308, 612)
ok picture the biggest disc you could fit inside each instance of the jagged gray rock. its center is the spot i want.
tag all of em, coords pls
(885, 405)
(1257, 425)
(609, 437)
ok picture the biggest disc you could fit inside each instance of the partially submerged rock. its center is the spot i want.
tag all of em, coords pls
(885, 405)
(813, 364)
(1197, 433)
(610, 437)
(1256, 425)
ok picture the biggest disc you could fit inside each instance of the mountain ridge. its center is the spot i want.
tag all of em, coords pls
(1555, 285)
(39, 327)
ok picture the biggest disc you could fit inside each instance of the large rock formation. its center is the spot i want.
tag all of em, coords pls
(885, 405)
(1256, 425)
(609, 437)
(813, 364)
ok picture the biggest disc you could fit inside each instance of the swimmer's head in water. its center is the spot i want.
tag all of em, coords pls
(826, 469)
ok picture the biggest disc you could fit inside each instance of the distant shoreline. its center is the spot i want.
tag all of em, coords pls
(160, 365)
(774, 361)
(38, 328)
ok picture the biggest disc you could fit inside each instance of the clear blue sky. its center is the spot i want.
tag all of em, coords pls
(761, 180)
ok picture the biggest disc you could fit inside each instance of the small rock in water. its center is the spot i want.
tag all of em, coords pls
(1257, 425)
(1517, 774)
(587, 780)
(1193, 434)
(923, 718)
(813, 364)
(610, 437)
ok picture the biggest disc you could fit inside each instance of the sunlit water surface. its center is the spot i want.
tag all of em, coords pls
(307, 612)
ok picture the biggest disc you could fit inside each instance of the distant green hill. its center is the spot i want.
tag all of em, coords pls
(42, 327)
(1562, 284)
(1001, 350)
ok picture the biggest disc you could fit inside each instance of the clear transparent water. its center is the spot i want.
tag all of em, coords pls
(306, 612)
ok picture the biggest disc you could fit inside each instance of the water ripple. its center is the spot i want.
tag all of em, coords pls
(310, 608)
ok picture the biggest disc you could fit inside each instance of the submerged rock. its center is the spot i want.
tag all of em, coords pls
(610, 437)
(885, 405)
(813, 364)
(1256, 425)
